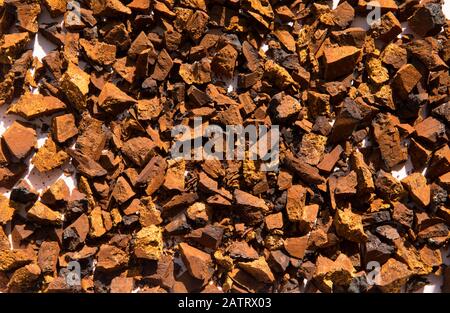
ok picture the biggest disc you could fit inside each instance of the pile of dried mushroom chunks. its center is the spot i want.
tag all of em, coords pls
(354, 106)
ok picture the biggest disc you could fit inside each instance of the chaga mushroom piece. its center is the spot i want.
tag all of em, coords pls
(377, 73)
(122, 191)
(23, 193)
(329, 274)
(92, 137)
(296, 246)
(57, 193)
(312, 148)
(343, 15)
(440, 162)
(26, 14)
(242, 250)
(148, 243)
(259, 269)
(86, 165)
(12, 45)
(48, 256)
(111, 258)
(99, 52)
(306, 172)
(224, 62)
(31, 106)
(405, 80)
(56, 7)
(75, 234)
(330, 159)
(431, 131)
(198, 263)
(245, 199)
(260, 10)
(20, 140)
(196, 25)
(387, 29)
(278, 75)
(42, 214)
(208, 236)
(284, 106)
(49, 156)
(418, 188)
(197, 73)
(393, 276)
(139, 150)
(394, 55)
(295, 203)
(109, 8)
(388, 187)
(24, 279)
(163, 66)
(427, 20)
(349, 225)
(348, 119)
(362, 116)
(113, 100)
(6, 210)
(340, 61)
(64, 127)
(389, 142)
(75, 85)
(9, 175)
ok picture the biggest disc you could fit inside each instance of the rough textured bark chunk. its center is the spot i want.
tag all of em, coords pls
(329, 160)
(388, 28)
(6, 210)
(405, 80)
(114, 100)
(139, 150)
(31, 106)
(340, 61)
(122, 191)
(99, 52)
(330, 273)
(12, 45)
(224, 62)
(42, 214)
(148, 243)
(198, 263)
(49, 156)
(431, 130)
(259, 269)
(427, 19)
(418, 188)
(48, 256)
(110, 258)
(388, 139)
(75, 85)
(56, 7)
(393, 276)
(247, 200)
(349, 225)
(109, 8)
(305, 171)
(296, 196)
(163, 66)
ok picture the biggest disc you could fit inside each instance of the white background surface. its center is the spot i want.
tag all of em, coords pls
(40, 181)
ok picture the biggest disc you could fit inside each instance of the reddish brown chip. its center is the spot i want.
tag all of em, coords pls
(20, 140)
